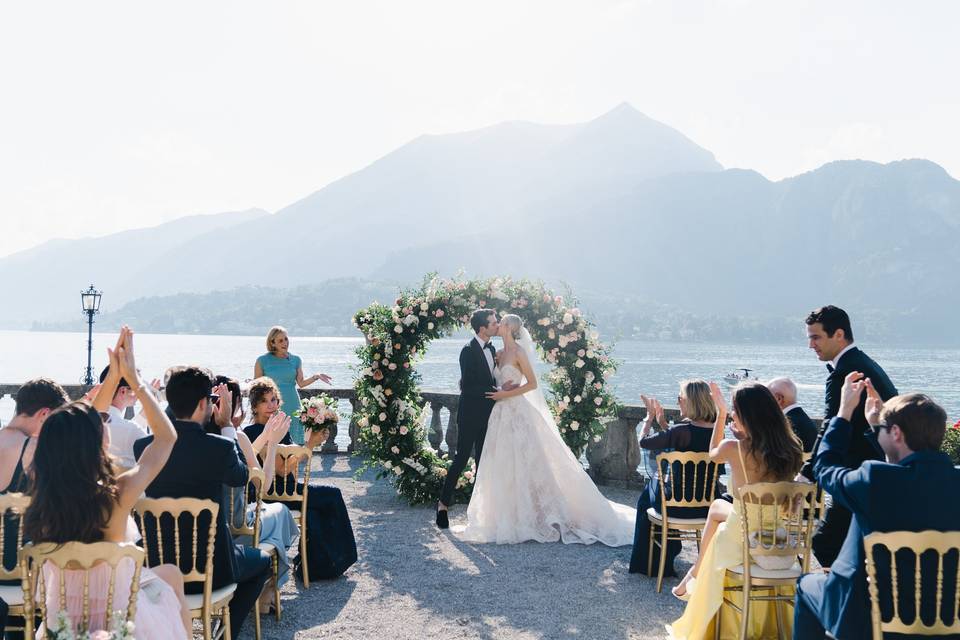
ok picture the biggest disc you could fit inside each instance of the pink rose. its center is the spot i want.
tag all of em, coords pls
(312, 412)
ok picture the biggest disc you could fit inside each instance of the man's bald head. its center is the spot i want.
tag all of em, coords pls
(784, 390)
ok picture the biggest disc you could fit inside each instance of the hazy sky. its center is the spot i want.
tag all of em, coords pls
(125, 114)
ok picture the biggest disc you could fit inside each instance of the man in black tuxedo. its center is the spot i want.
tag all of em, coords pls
(831, 338)
(785, 391)
(473, 411)
(199, 465)
(912, 491)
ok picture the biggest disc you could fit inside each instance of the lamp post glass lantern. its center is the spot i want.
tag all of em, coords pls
(90, 299)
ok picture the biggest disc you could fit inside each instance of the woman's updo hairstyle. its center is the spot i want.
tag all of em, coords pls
(514, 322)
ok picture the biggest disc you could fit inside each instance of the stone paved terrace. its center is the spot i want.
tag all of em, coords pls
(412, 581)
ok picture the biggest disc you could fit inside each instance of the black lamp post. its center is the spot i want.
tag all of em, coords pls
(91, 306)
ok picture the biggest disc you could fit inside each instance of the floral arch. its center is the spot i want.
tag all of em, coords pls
(390, 412)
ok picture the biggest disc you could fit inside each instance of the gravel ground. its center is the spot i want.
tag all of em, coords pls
(413, 581)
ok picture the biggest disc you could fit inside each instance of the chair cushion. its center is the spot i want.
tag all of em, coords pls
(654, 515)
(12, 594)
(776, 574)
(219, 596)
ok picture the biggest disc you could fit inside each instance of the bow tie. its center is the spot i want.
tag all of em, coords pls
(830, 368)
(491, 348)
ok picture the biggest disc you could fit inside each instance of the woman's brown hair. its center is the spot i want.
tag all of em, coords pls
(770, 439)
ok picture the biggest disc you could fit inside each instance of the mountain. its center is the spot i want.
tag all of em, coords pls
(44, 283)
(621, 207)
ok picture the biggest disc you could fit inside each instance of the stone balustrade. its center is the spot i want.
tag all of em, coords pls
(615, 459)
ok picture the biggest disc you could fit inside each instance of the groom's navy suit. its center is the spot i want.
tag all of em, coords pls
(473, 411)
(914, 494)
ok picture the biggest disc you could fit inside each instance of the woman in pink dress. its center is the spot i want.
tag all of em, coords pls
(77, 496)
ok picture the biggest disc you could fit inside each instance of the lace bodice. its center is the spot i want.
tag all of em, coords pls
(508, 373)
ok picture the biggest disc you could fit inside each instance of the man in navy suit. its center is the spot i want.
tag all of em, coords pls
(912, 491)
(831, 338)
(199, 465)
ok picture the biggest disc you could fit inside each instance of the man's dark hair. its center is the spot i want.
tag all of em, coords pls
(103, 376)
(186, 387)
(479, 318)
(922, 421)
(39, 393)
(832, 318)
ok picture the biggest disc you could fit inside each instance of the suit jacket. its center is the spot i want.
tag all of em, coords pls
(913, 495)
(864, 443)
(199, 465)
(804, 427)
(476, 380)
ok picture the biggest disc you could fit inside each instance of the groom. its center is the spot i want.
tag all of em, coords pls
(473, 412)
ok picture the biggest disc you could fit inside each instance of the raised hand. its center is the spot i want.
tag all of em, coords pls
(850, 393)
(277, 427)
(224, 409)
(324, 378)
(874, 404)
(126, 360)
(718, 398)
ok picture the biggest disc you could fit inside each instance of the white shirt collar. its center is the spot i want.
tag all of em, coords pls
(480, 341)
(115, 413)
(834, 362)
(790, 408)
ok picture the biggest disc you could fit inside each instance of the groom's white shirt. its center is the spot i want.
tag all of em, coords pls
(486, 352)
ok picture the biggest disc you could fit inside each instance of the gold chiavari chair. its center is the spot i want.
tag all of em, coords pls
(917, 544)
(674, 470)
(240, 526)
(12, 506)
(159, 515)
(71, 557)
(776, 533)
(287, 491)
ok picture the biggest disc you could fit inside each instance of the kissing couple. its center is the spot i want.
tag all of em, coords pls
(530, 486)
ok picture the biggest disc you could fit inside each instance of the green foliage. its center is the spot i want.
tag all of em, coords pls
(951, 442)
(391, 415)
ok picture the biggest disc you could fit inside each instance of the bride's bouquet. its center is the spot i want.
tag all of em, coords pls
(64, 630)
(318, 413)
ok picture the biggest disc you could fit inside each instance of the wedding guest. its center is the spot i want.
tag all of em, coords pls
(691, 434)
(123, 432)
(277, 524)
(785, 392)
(763, 449)
(913, 490)
(831, 338)
(331, 546)
(200, 464)
(78, 496)
(286, 369)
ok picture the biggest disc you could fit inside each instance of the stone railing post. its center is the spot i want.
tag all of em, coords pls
(453, 430)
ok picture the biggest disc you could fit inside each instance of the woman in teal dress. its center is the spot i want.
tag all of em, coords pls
(286, 370)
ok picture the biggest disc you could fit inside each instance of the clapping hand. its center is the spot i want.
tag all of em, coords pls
(874, 404)
(125, 359)
(850, 393)
(654, 410)
(224, 409)
(277, 427)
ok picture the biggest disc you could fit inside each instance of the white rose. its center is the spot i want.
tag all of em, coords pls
(590, 353)
(398, 329)
(430, 326)
(579, 363)
(424, 306)
(403, 431)
(375, 428)
(567, 318)
(398, 470)
(598, 401)
(574, 425)
(577, 398)
(388, 465)
(395, 449)
(581, 352)
(383, 417)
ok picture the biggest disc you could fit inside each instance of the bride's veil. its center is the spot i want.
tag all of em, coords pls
(535, 397)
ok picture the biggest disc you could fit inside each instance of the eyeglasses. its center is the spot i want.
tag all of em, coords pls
(876, 428)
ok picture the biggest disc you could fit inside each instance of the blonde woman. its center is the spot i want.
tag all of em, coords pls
(692, 434)
(286, 369)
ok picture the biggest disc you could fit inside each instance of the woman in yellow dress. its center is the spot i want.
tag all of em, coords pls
(764, 449)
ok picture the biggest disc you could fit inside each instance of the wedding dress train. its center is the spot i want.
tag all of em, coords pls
(529, 485)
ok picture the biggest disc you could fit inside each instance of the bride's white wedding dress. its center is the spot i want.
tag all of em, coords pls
(530, 487)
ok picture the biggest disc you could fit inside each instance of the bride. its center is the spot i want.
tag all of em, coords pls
(530, 486)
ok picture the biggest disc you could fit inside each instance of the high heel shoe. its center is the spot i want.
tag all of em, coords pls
(684, 584)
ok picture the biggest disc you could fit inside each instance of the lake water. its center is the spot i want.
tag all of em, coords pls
(652, 368)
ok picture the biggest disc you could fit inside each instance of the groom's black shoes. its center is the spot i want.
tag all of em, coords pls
(442, 520)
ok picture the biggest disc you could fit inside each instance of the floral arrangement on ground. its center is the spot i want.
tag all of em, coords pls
(390, 413)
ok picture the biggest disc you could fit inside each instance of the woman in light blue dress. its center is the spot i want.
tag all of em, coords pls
(286, 370)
